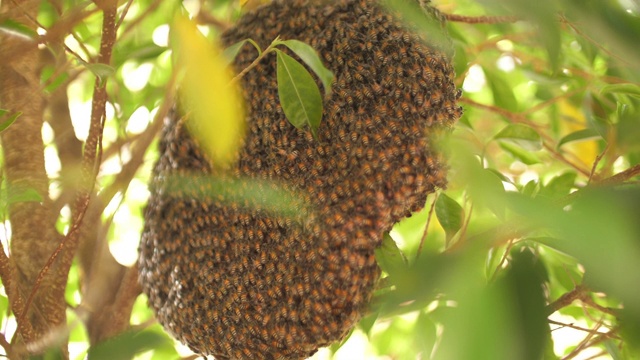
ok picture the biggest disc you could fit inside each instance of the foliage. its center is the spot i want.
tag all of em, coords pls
(531, 252)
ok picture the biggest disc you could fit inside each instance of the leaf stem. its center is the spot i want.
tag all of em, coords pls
(255, 62)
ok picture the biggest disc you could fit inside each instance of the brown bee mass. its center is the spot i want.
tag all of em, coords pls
(229, 276)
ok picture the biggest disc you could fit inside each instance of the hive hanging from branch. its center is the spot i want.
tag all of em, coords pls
(230, 277)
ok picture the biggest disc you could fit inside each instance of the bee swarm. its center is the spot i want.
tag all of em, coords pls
(232, 278)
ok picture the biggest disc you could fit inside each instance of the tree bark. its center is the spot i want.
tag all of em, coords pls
(34, 237)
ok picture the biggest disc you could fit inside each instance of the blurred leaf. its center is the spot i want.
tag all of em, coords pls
(478, 327)
(389, 257)
(450, 215)
(521, 135)
(484, 187)
(52, 84)
(580, 135)
(519, 153)
(249, 193)
(367, 322)
(147, 51)
(601, 231)
(559, 186)
(127, 345)
(610, 23)
(612, 349)
(628, 128)
(627, 89)
(630, 328)
(311, 58)
(530, 188)
(525, 279)
(503, 95)
(299, 95)
(15, 27)
(47, 15)
(19, 194)
(9, 120)
(101, 71)
(425, 334)
(460, 60)
(501, 176)
(421, 20)
(216, 120)
(4, 307)
(494, 259)
(543, 15)
(232, 51)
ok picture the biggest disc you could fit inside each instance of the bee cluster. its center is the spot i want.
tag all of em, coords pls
(234, 278)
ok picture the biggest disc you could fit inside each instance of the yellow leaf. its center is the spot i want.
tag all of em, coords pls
(215, 115)
(574, 120)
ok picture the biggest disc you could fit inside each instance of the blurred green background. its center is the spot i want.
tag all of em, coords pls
(533, 250)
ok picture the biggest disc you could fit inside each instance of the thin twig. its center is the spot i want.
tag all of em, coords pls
(6, 346)
(565, 325)
(596, 162)
(553, 100)
(558, 156)
(585, 343)
(426, 228)
(463, 231)
(566, 299)
(621, 177)
(149, 9)
(503, 259)
(595, 43)
(124, 13)
(255, 62)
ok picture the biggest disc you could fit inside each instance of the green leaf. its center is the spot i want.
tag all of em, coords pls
(613, 350)
(501, 176)
(102, 71)
(530, 188)
(4, 307)
(627, 89)
(127, 345)
(503, 95)
(525, 280)
(389, 257)
(299, 95)
(309, 55)
(521, 135)
(543, 15)
(10, 120)
(13, 26)
(450, 215)
(263, 194)
(17, 195)
(232, 51)
(52, 84)
(559, 186)
(420, 19)
(580, 135)
(519, 153)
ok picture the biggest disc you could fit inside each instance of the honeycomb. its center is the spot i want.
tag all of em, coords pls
(229, 275)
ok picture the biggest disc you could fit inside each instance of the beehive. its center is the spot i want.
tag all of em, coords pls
(230, 277)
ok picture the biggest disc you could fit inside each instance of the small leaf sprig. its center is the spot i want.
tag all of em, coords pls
(298, 93)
